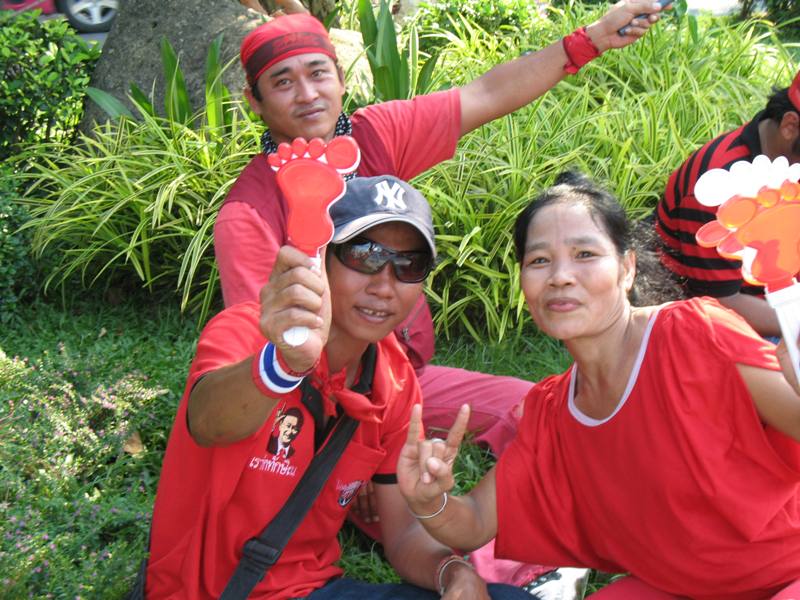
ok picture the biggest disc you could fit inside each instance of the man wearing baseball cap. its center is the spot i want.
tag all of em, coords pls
(774, 132)
(221, 483)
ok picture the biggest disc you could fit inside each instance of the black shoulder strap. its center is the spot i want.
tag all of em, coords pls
(261, 552)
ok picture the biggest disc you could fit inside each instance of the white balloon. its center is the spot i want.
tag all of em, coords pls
(778, 173)
(713, 188)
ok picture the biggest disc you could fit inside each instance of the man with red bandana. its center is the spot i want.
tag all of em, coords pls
(296, 86)
(774, 132)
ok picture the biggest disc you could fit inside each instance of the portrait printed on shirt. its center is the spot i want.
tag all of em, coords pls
(286, 428)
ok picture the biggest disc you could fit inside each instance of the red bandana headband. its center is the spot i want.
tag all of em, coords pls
(282, 38)
(794, 92)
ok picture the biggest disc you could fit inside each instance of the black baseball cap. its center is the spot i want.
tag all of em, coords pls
(370, 201)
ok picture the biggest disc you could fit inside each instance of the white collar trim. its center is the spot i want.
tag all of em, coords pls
(589, 421)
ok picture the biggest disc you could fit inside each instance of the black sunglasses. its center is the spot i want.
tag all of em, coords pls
(370, 257)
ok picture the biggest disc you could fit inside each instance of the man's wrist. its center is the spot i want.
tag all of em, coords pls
(269, 376)
(289, 370)
(595, 35)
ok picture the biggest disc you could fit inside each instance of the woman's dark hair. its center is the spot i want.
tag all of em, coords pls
(573, 187)
(654, 284)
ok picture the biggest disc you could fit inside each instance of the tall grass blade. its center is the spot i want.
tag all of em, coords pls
(176, 99)
(110, 105)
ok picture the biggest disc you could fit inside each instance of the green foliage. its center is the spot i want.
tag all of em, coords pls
(784, 13)
(16, 267)
(218, 112)
(629, 119)
(44, 71)
(491, 16)
(397, 74)
(137, 199)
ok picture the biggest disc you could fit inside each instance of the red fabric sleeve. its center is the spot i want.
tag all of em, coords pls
(734, 337)
(403, 385)
(530, 526)
(240, 232)
(417, 133)
(230, 337)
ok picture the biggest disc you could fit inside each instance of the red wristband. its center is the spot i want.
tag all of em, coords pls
(580, 49)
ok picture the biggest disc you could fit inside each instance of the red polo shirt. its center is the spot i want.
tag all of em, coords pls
(210, 501)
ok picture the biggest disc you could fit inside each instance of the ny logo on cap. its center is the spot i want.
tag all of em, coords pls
(393, 195)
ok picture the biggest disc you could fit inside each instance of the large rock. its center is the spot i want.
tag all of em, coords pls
(132, 52)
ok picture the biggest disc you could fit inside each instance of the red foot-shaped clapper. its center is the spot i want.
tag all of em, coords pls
(758, 221)
(310, 176)
(763, 232)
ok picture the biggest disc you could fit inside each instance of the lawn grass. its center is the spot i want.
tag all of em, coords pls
(76, 380)
(75, 491)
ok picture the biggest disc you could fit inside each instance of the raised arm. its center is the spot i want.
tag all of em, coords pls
(416, 556)
(755, 311)
(226, 405)
(425, 477)
(511, 85)
(776, 395)
(786, 365)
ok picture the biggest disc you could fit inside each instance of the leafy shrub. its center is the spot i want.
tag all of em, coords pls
(76, 489)
(62, 456)
(44, 70)
(137, 199)
(16, 267)
(397, 73)
(784, 13)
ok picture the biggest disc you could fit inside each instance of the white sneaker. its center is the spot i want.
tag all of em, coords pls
(566, 583)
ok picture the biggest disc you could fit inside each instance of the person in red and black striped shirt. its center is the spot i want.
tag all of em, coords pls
(775, 131)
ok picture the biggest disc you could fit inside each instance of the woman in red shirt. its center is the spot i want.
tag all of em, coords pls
(668, 450)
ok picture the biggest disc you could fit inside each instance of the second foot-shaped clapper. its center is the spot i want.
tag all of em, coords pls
(310, 176)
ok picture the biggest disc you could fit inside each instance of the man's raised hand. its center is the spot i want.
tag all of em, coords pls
(296, 295)
(425, 467)
(635, 16)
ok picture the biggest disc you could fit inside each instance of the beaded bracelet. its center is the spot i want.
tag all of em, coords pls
(443, 564)
(436, 514)
(579, 48)
(271, 376)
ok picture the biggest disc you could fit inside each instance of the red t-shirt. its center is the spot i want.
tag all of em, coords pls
(682, 485)
(210, 501)
(412, 136)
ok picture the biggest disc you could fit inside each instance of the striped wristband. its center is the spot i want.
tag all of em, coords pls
(268, 374)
